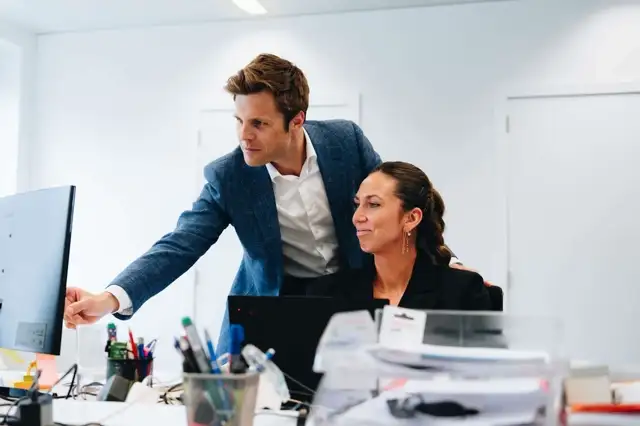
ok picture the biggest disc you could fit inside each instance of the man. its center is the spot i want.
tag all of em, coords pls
(287, 190)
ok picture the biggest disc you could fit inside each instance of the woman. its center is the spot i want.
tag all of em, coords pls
(399, 221)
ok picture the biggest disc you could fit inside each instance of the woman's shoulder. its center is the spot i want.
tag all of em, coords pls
(461, 276)
(469, 287)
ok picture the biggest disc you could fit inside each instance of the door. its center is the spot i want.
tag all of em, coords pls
(573, 218)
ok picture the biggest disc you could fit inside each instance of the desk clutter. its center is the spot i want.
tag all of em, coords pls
(131, 359)
(222, 391)
(397, 367)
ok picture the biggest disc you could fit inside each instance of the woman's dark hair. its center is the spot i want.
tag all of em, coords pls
(414, 189)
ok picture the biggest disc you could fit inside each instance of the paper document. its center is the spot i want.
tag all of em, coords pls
(496, 406)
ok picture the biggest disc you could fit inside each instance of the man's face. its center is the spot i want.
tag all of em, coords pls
(261, 129)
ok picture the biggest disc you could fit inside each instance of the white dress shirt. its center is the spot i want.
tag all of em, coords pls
(309, 243)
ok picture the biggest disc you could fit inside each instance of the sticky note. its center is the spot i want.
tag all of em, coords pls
(47, 365)
(11, 355)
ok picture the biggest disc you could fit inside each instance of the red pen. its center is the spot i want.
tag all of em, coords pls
(134, 348)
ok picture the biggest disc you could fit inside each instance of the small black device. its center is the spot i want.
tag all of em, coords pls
(116, 389)
(293, 326)
(36, 411)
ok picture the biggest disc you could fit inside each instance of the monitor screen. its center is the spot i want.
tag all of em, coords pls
(35, 237)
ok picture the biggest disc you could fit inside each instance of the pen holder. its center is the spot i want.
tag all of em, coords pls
(220, 399)
(131, 369)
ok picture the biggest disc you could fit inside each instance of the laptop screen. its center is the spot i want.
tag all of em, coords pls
(293, 326)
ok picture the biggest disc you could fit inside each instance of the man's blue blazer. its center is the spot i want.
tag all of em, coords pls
(242, 196)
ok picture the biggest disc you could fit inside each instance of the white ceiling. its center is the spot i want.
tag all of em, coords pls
(45, 16)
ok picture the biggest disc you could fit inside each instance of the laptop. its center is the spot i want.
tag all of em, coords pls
(293, 326)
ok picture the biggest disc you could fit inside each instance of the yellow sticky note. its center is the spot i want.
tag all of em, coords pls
(13, 356)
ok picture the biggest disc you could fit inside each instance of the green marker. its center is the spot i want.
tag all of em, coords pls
(112, 332)
(203, 364)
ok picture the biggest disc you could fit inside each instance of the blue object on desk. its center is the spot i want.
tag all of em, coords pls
(141, 354)
(237, 365)
(212, 354)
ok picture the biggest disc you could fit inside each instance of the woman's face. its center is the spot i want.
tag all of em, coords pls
(379, 218)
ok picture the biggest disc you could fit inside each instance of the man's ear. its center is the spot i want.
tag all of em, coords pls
(297, 121)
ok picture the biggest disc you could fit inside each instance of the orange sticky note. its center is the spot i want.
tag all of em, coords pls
(49, 374)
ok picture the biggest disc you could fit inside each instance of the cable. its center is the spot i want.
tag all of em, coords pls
(73, 378)
(165, 394)
(73, 368)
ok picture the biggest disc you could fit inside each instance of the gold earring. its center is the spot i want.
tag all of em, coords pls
(405, 242)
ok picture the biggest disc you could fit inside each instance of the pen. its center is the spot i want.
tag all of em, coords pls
(134, 349)
(151, 346)
(201, 362)
(212, 354)
(215, 369)
(141, 352)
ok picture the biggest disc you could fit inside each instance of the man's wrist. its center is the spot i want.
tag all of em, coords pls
(113, 303)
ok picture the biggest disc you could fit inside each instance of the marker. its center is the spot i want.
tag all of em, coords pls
(112, 332)
(202, 363)
(236, 364)
(189, 363)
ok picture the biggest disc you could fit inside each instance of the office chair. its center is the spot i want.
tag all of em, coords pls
(496, 295)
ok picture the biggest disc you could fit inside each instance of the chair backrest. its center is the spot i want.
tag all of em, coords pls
(496, 295)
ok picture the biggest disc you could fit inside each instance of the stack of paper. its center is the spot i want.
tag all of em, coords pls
(498, 402)
(415, 383)
(463, 360)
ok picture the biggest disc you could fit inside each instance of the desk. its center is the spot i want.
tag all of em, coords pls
(76, 412)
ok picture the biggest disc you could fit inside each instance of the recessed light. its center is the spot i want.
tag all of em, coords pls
(251, 6)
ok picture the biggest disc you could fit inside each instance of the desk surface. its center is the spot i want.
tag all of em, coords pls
(77, 412)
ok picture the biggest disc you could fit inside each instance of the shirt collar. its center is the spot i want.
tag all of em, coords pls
(311, 154)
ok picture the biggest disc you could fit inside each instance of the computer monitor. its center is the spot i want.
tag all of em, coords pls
(293, 326)
(35, 237)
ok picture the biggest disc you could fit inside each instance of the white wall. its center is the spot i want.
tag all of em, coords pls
(9, 116)
(117, 111)
(17, 73)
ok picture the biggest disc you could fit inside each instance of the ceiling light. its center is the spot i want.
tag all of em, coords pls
(251, 6)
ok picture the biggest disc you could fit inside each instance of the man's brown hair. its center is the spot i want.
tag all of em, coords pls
(282, 78)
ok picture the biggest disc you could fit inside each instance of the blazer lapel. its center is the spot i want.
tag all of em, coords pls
(261, 201)
(340, 188)
(422, 291)
(332, 166)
